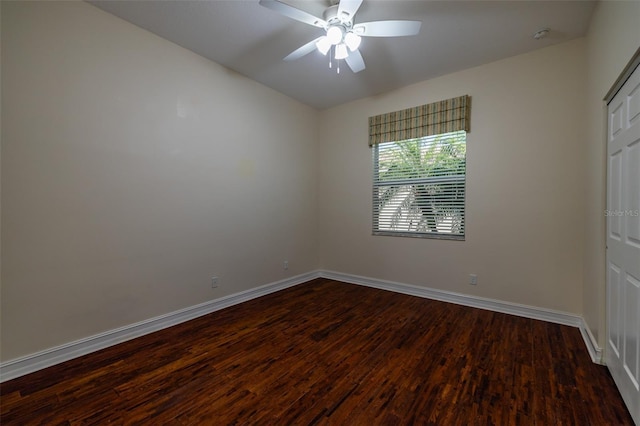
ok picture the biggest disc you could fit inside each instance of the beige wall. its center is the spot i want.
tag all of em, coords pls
(612, 39)
(525, 192)
(132, 171)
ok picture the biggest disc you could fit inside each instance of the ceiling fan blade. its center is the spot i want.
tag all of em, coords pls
(302, 50)
(348, 8)
(293, 13)
(355, 61)
(387, 28)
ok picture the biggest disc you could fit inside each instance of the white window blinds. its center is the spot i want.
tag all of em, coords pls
(419, 186)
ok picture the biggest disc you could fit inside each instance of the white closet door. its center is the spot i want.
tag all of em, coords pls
(623, 242)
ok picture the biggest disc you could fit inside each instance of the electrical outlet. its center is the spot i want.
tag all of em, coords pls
(285, 265)
(473, 279)
(214, 282)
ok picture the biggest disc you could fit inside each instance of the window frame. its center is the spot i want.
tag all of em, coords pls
(448, 179)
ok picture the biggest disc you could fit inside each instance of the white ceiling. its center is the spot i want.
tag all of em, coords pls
(455, 35)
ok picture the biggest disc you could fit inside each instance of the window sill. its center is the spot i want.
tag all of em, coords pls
(424, 235)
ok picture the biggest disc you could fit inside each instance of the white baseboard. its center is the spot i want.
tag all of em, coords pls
(525, 311)
(595, 351)
(56, 355)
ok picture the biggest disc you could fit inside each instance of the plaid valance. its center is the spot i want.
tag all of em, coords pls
(446, 116)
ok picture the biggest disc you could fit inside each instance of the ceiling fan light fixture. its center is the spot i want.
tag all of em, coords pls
(324, 45)
(335, 35)
(341, 51)
(352, 40)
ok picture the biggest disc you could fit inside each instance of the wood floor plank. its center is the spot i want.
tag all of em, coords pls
(330, 353)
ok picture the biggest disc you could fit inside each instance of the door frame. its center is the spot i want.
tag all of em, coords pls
(622, 78)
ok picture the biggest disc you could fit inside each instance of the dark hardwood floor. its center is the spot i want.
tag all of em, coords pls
(330, 353)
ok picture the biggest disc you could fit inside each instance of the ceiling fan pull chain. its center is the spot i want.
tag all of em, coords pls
(330, 55)
(338, 66)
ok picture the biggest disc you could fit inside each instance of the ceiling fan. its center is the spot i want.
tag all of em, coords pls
(342, 35)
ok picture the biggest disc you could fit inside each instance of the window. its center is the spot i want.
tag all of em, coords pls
(419, 186)
(419, 164)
